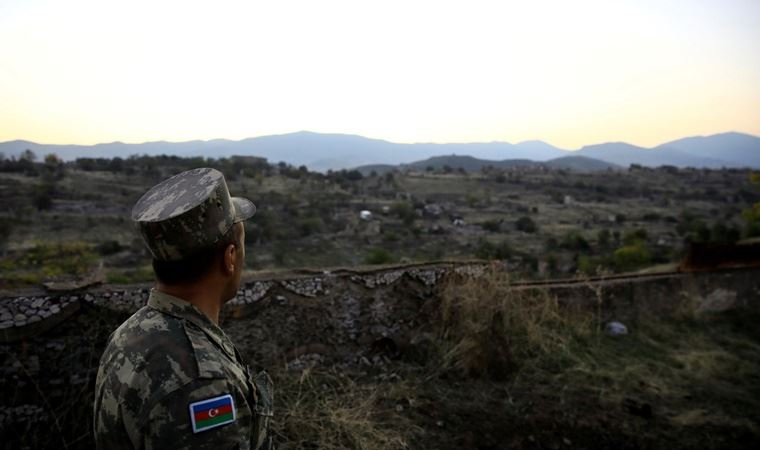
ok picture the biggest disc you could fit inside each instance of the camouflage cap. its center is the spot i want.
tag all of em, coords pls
(188, 212)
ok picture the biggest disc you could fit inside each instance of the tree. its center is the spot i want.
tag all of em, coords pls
(28, 155)
(5, 232)
(51, 159)
(752, 214)
(43, 196)
(603, 238)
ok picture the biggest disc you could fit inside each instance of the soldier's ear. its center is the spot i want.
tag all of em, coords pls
(230, 259)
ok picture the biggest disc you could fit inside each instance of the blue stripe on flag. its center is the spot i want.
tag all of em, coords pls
(214, 403)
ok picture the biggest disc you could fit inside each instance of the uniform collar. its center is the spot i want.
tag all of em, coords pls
(182, 309)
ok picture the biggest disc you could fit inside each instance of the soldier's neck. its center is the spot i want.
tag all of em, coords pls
(203, 296)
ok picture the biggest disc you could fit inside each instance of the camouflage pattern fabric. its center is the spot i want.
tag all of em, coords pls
(188, 212)
(165, 357)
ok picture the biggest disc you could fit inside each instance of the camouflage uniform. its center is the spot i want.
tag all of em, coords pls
(169, 359)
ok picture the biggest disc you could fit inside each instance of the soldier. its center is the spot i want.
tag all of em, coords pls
(170, 378)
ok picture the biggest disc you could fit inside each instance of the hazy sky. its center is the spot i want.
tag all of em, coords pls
(567, 72)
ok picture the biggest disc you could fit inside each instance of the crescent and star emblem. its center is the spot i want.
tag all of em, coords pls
(213, 412)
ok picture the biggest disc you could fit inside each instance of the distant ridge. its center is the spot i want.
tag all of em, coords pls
(319, 151)
(471, 164)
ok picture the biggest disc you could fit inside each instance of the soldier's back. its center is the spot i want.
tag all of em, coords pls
(170, 378)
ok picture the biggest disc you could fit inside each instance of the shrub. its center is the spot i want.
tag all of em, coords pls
(526, 224)
(405, 212)
(379, 256)
(309, 226)
(635, 236)
(43, 196)
(723, 234)
(603, 238)
(494, 226)
(630, 257)
(574, 241)
(488, 250)
(109, 247)
(5, 231)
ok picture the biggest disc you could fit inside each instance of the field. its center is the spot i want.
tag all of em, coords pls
(542, 223)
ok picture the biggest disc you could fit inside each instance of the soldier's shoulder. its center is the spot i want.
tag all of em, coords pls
(150, 336)
(149, 353)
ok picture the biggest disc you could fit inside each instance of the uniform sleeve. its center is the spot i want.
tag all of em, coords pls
(170, 424)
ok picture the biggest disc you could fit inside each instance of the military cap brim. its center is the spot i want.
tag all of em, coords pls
(244, 209)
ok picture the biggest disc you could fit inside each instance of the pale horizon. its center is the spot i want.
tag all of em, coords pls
(641, 72)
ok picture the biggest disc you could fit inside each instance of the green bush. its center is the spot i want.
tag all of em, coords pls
(630, 257)
(635, 237)
(379, 256)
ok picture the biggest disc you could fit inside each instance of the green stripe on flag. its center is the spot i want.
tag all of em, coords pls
(213, 421)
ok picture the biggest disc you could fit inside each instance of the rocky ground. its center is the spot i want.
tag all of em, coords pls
(365, 360)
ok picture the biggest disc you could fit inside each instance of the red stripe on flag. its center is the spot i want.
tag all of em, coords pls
(220, 411)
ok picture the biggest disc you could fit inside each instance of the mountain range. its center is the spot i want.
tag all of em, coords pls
(322, 152)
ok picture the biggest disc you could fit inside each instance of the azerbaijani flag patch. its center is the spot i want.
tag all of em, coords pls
(212, 413)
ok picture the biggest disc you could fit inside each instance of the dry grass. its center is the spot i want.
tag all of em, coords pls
(488, 328)
(329, 409)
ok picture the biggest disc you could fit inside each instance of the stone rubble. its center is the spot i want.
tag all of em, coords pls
(380, 279)
(429, 277)
(21, 414)
(307, 287)
(251, 293)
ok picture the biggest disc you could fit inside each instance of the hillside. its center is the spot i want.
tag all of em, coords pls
(737, 148)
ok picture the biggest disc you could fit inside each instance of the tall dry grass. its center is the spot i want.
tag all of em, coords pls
(331, 409)
(488, 328)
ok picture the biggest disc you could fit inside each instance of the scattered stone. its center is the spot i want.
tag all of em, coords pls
(615, 329)
(718, 300)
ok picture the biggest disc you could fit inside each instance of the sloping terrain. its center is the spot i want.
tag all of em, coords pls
(437, 356)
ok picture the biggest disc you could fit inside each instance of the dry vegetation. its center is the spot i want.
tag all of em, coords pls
(515, 369)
